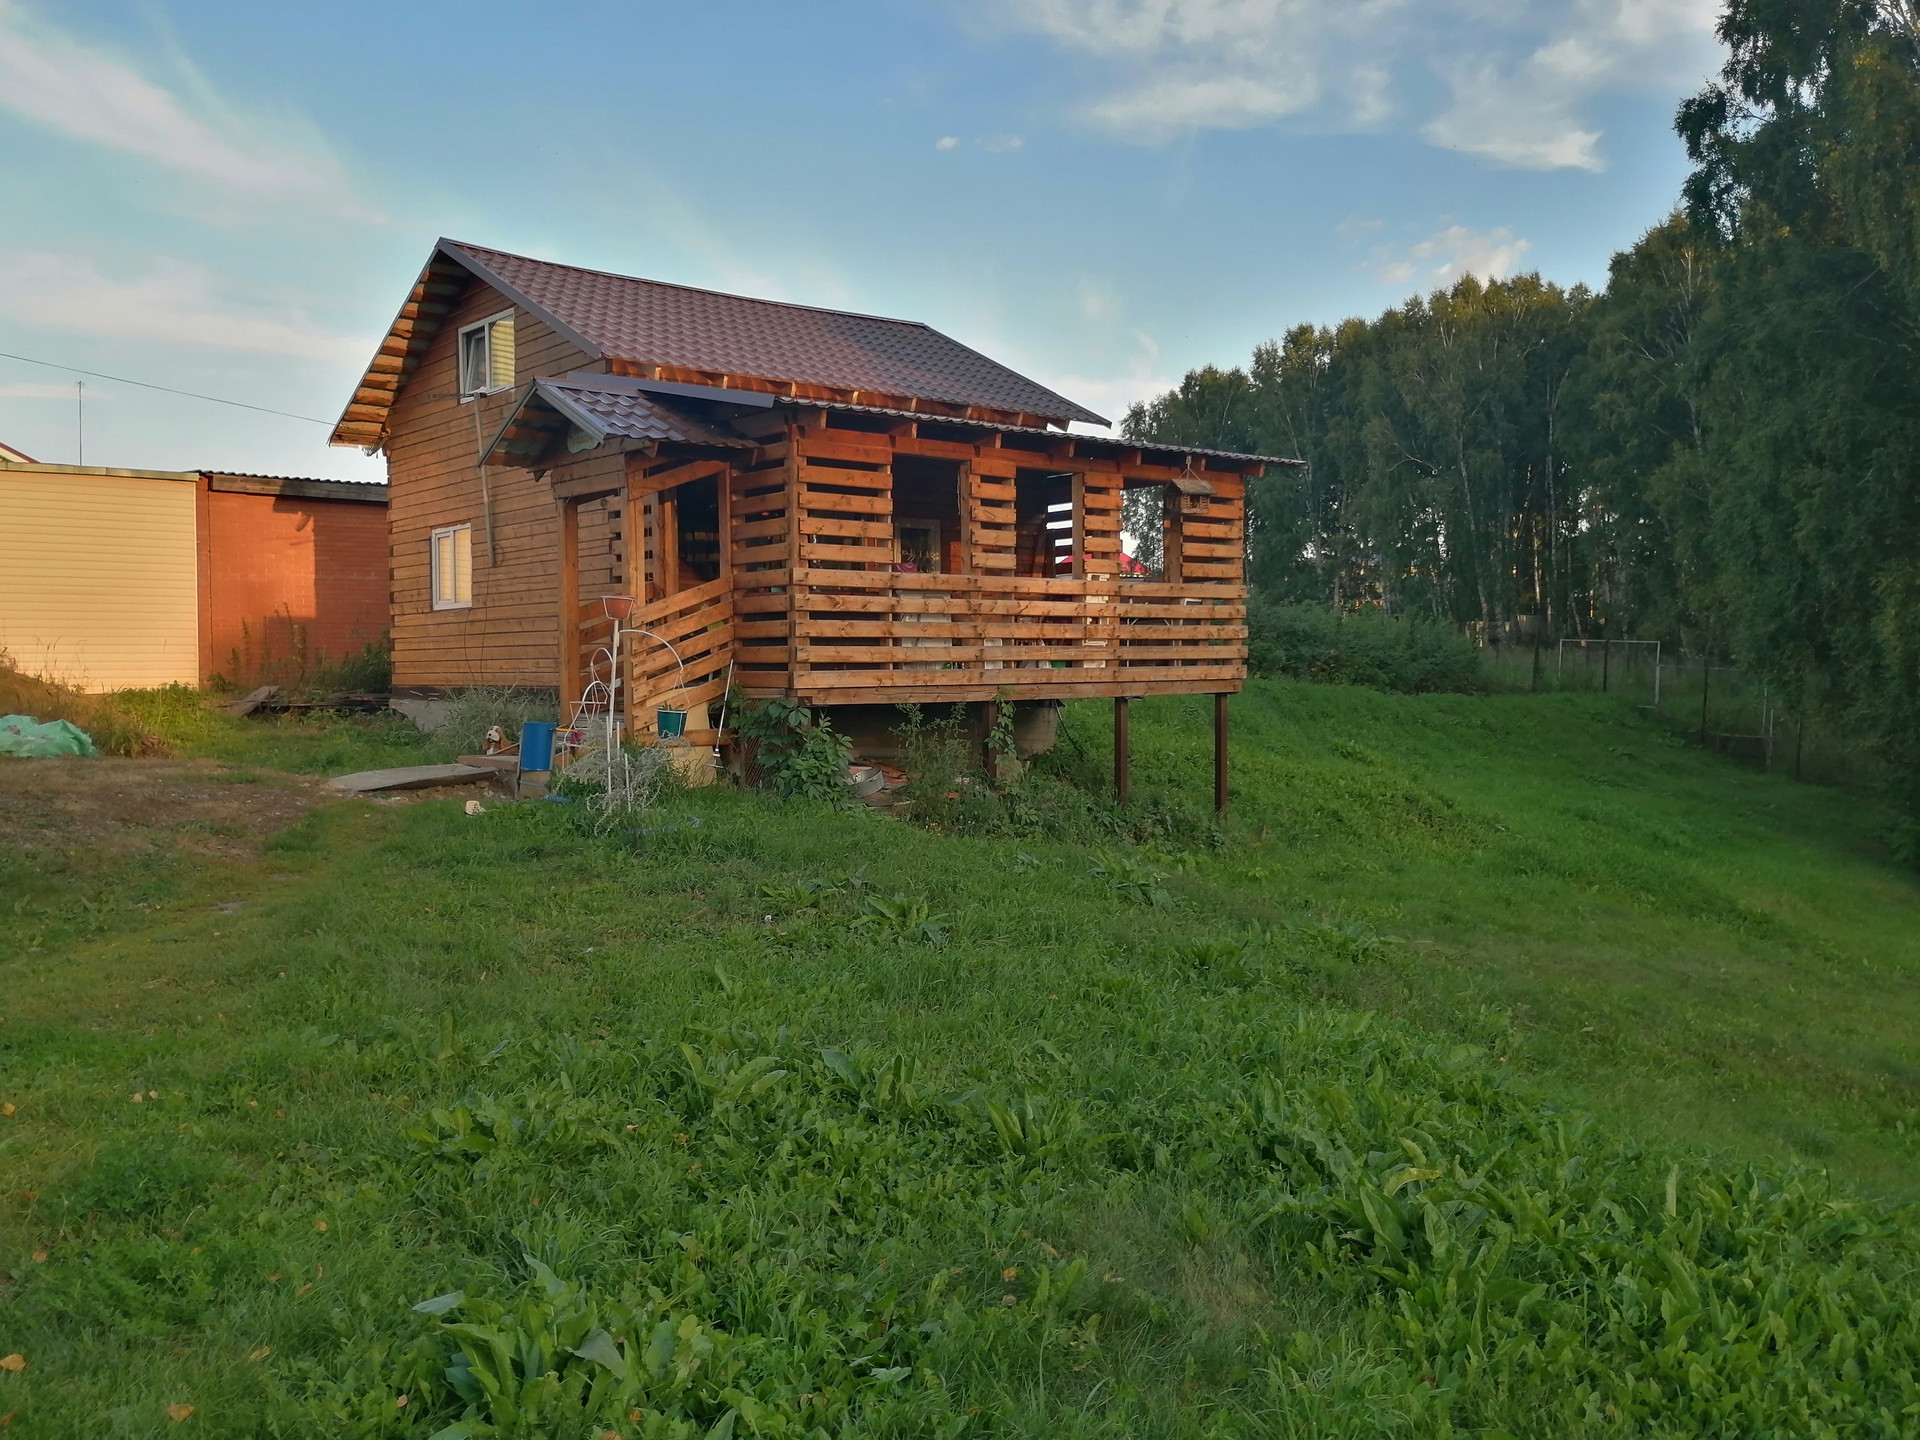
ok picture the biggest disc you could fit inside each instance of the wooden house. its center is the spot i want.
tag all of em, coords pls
(113, 579)
(835, 508)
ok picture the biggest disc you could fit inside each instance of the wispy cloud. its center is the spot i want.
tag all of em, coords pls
(1186, 65)
(947, 142)
(1448, 254)
(38, 390)
(54, 81)
(1516, 76)
(173, 302)
(1111, 394)
(1522, 106)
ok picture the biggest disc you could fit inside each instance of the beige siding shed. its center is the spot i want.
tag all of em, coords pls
(99, 575)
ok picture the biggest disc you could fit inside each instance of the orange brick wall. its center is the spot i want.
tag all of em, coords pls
(288, 583)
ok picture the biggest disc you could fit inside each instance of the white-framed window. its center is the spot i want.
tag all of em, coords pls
(453, 568)
(486, 355)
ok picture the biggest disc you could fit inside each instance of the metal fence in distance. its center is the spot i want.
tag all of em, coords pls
(1715, 703)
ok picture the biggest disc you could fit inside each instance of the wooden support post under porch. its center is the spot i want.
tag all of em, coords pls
(1220, 753)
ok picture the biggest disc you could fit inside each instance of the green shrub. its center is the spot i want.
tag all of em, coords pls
(800, 754)
(1364, 647)
(1060, 795)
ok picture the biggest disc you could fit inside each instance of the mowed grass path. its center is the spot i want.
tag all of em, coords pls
(835, 1126)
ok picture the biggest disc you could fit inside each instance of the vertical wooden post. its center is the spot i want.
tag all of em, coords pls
(1172, 560)
(569, 592)
(1079, 541)
(1220, 753)
(666, 542)
(1122, 756)
(1706, 684)
(796, 633)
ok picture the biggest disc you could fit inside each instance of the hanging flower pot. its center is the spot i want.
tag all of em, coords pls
(670, 724)
(618, 607)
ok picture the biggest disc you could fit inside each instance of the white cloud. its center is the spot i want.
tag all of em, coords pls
(1522, 109)
(1097, 302)
(1111, 394)
(947, 142)
(59, 84)
(1516, 76)
(38, 390)
(1163, 109)
(1448, 254)
(174, 302)
(1000, 144)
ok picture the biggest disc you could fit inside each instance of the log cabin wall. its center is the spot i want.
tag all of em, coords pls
(824, 612)
(510, 634)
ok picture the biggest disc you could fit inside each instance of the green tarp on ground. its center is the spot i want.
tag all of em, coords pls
(26, 738)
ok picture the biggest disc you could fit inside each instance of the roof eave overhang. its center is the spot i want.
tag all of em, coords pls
(1169, 453)
(364, 421)
(550, 421)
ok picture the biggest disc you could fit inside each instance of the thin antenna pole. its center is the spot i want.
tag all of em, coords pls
(80, 418)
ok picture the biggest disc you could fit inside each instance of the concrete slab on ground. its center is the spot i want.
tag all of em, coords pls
(409, 777)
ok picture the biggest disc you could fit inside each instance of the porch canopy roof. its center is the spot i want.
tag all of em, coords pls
(556, 418)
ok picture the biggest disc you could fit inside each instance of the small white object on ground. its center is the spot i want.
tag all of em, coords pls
(474, 807)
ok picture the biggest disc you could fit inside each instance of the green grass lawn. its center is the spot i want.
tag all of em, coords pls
(1693, 949)
(796, 1123)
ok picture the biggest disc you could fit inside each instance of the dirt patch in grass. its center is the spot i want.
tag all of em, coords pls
(197, 807)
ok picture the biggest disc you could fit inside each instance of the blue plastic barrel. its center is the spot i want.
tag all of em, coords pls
(536, 745)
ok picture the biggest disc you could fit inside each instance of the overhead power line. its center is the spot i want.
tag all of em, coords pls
(164, 389)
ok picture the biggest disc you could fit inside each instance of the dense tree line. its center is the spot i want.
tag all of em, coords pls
(1722, 448)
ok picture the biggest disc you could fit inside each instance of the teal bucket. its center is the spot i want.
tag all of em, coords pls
(670, 724)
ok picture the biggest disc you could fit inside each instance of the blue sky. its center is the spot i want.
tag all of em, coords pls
(232, 198)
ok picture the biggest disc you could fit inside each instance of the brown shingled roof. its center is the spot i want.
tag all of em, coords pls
(651, 323)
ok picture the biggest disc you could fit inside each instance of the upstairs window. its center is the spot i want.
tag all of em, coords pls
(453, 568)
(486, 356)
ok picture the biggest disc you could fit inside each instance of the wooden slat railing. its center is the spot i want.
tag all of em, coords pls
(869, 631)
(696, 623)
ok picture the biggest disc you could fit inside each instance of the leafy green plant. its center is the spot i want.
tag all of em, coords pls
(1131, 878)
(557, 1359)
(901, 917)
(800, 753)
